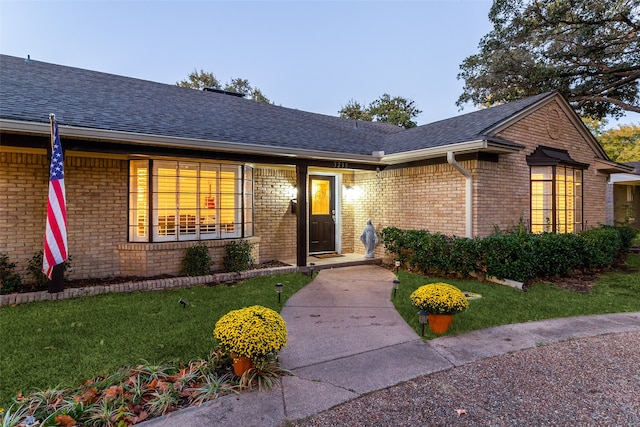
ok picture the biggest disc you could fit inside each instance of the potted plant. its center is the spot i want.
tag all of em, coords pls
(438, 302)
(250, 334)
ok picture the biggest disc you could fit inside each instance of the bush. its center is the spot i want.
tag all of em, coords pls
(9, 280)
(35, 268)
(516, 255)
(196, 261)
(237, 256)
(557, 254)
(603, 245)
(507, 256)
(627, 234)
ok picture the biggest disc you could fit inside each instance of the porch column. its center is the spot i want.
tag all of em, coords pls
(301, 215)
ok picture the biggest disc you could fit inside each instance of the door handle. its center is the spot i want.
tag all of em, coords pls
(333, 215)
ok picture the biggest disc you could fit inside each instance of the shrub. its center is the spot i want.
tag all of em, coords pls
(196, 261)
(35, 268)
(557, 254)
(516, 255)
(9, 280)
(506, 256)
(237, 256)
(603, 244)
(627, 234)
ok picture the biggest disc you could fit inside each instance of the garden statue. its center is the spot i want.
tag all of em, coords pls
(369, 238)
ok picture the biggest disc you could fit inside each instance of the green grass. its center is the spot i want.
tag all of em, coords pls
(54, 344)
(501, 305)
(61, 344)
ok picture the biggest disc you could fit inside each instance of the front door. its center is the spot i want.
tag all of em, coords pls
(322, 214)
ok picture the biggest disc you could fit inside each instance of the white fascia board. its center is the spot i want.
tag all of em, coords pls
(458, 148)
(623, 178)
(178, 142)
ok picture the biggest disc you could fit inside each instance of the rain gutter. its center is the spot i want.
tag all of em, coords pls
(468, 202)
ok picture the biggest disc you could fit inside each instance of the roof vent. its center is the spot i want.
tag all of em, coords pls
(378, 154)
(224, 92)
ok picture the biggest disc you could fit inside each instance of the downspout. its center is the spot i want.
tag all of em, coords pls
(468, 202)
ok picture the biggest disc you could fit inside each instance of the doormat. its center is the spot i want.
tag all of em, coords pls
(323, 256)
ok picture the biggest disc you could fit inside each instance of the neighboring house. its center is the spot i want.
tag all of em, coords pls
(624, 197)
(151, 169)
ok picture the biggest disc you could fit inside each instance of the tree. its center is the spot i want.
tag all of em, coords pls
(203, 79)
(587, 50)
(622, 144)
(242, 86)
(200, 80)
(353, 110)
(397, 110)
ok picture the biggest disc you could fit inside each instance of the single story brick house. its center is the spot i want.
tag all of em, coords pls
(151, 169)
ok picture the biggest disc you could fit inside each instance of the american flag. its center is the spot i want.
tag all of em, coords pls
(55, 238)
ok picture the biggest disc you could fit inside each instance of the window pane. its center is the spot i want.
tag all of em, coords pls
(187, 200)
(208, 197)
(230, 201)
(190, 200)
(165, 198)
(541, 173)
(566, 215)
(139, 201)
(320, 197)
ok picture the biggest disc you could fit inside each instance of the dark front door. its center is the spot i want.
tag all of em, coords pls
(322, 214)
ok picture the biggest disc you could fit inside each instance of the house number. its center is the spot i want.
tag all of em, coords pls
(340, 165)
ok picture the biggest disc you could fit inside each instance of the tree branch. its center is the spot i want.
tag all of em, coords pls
(624, 105)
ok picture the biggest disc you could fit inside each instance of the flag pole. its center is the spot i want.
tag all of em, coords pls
(55, 273)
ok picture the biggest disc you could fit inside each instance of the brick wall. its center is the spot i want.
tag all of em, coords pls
(274, 222)
(425, 197)
(96, 191)
(153, 259)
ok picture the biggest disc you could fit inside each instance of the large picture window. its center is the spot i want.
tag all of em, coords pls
(556, 192)
(175, 200)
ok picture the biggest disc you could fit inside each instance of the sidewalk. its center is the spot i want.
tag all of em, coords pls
(346, 340)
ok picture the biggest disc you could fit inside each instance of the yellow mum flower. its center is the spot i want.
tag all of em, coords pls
(439, 298)
(251, 332)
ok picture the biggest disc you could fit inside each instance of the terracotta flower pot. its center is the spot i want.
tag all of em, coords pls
(241, 364)
(440, 323)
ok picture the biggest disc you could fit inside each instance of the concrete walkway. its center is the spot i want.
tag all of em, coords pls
(346, 340)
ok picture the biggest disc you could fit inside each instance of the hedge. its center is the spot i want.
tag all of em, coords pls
(519, 256)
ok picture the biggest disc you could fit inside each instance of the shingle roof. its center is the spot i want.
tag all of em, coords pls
(30, 90)
(467, 127)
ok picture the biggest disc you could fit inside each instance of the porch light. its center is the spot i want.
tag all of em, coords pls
(423, 316)
(279, 290)
(396, 285)
(293, 195)
(351, 193)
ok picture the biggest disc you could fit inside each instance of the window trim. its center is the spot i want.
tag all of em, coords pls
(551, 157)
(241, 201)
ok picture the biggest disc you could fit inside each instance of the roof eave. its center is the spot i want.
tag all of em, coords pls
(570, 113)
(482, 145)
(182, 143)
(609, 167)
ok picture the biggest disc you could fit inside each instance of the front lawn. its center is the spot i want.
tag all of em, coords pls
(61, 344)
(613, 292)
